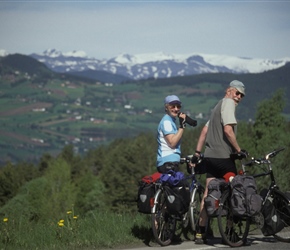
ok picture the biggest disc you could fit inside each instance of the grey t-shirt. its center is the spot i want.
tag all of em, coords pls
(217, 145)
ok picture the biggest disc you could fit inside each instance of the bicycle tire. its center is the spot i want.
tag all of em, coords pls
(163, 224)
(282, 206)
(194, 207)
(234, 230)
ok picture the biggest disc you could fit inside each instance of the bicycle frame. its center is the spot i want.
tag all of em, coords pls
(154, 201)
(265, 161)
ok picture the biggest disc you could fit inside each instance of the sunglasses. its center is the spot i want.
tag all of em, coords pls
(239, 93)
(175, 106)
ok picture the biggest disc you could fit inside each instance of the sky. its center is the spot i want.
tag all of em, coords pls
(105, 29)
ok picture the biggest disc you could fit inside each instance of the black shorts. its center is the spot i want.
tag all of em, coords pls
(216, 167)
(168, 166)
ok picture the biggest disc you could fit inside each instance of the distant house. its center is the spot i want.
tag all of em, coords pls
(108, 84)
(199, 116)
(149, 111)
(128, 106)
(39, 110)
(37, 140)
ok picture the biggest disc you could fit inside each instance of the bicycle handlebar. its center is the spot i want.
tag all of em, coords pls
(273, 153)
(191, 159)
(264, 160)
(196, 160)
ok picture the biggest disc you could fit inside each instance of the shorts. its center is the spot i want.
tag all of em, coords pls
(168, 166)
(216, 167)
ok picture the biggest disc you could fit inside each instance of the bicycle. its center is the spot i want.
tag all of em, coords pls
(280, 200)
(233, 229)
(196, 191)
(164, 223)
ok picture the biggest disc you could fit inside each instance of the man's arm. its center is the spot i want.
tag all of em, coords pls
(230, 134)
(201, 139)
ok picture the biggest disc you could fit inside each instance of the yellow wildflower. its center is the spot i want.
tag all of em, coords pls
(75, 217)
(69, 212)
(5, 219)
(60, 224)
(61, 221)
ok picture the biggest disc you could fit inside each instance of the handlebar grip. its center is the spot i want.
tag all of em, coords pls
(239, 155)
(182, 160)
(274, 153)
(195, 159)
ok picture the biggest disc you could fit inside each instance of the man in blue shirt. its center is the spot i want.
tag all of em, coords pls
(169, 136)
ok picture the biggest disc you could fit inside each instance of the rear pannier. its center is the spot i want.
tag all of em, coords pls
(212, 201)
(245, 200)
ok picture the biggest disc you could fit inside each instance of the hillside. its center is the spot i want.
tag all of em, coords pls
(42, 111)
(99, 75)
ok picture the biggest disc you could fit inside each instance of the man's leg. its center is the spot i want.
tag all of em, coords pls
(201, 233)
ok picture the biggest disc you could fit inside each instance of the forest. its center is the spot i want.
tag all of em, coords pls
(106, 178)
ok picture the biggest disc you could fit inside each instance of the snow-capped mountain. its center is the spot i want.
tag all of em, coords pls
(3, 52)
(156, 65)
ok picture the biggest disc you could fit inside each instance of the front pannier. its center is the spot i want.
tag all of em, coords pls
(177, 199)
(272, 219)
(177, 192)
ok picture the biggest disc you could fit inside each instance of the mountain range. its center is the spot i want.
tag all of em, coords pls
(153, 65)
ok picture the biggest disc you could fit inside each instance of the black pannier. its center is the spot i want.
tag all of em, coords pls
(146, 192)
(272, 219)
(177, 198)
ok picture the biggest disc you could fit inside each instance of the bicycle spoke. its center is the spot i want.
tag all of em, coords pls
(234, 230)
(163, 225)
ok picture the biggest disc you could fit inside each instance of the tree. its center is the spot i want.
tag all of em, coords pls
(270, 125)
(46, 197)
(127, 161)
(12, 177)
(270, 131)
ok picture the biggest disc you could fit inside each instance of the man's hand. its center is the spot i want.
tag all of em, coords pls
(195, 159)
(242, 154)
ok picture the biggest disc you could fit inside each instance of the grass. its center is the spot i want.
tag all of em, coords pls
(96, 230)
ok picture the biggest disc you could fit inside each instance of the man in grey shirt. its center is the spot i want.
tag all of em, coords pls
(219, 136)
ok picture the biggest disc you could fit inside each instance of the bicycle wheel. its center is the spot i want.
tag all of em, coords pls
(234, 230)
(163, 225)
(282, 206)
(194, 207)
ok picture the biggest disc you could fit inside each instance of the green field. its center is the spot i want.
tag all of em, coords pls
(41, 112)
(46, 118)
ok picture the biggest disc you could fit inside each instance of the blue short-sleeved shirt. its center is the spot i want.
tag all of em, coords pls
(165, 153)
